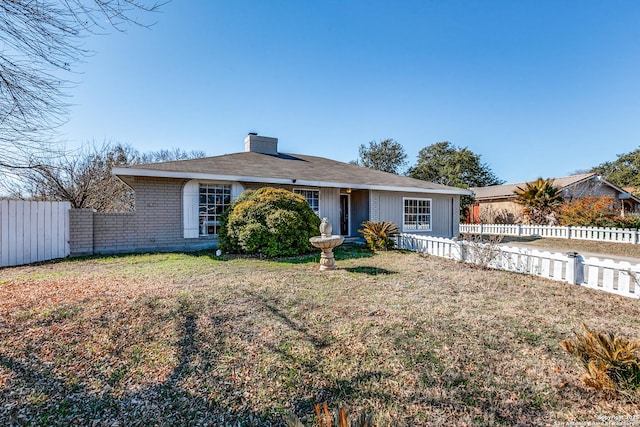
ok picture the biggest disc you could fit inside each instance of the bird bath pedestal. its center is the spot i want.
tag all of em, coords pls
(326, 241)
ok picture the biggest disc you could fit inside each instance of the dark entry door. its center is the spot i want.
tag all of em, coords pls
(344, 214)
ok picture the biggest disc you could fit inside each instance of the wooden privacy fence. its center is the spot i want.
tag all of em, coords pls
(618, 235)
(618, 277)
(33, 231)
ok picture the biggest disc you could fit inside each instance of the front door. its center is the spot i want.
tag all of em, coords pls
(344, 214)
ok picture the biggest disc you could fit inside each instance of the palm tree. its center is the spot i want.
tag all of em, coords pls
(540, 200)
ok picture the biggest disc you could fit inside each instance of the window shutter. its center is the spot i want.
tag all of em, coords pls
(190, 195)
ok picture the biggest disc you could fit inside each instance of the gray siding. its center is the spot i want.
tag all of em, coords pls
(359, 210)
(590, 189)
(330, 207)
(445, 211)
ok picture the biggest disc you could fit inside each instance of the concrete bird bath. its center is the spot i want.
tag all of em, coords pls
(326, 241)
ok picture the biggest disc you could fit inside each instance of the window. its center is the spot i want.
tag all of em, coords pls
(213, 200)
(312, 197)
(417, 215)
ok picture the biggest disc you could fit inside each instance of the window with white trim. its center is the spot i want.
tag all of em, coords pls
(312, 197)
(213, 200)
(416, 215)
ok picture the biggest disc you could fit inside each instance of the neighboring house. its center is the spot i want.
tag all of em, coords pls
(178, 204)
(496, 203)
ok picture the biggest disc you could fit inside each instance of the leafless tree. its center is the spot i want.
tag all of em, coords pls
(85, 180)
(40, 46)
(170, 155)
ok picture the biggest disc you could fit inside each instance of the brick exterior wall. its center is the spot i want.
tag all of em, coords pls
(81, 232)
(156, 224)
(374, 206)
(114, 232)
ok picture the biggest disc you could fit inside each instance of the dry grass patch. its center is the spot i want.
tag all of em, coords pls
(175, 339)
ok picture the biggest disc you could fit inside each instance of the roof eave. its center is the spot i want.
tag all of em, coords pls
(620, 190)
(283, 181)
(494, 198)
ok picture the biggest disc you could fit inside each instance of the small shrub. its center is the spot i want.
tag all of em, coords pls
(270, 221)
(340, 419)
(480, 249)
(588, 212)
(630, 221)
(379, 234)
(612, 363)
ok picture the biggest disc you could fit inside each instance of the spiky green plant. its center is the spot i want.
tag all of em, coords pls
(379, 234)
(540, 200)
(611, 362)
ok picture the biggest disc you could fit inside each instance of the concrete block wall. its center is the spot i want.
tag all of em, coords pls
(81, 232)
(156, 224)
(114, 232)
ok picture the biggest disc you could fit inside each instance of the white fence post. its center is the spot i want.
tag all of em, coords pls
(574, 269)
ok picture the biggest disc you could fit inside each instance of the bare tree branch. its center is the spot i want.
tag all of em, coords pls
(41, 43)
(84, 178)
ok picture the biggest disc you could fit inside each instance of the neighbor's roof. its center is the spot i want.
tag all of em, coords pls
(507, 191)
(288, 169)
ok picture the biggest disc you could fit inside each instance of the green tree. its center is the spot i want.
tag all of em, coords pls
(624, 171)
(445, 163)
(540, 200)
(387, 156)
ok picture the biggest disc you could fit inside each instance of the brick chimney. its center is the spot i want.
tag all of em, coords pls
(260, 144)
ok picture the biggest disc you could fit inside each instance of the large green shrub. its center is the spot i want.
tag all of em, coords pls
(270, 221)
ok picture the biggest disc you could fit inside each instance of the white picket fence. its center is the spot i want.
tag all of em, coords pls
(618, 277)
(617, 235)
(33, 231)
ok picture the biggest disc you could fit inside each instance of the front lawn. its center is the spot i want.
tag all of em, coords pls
(187, 339)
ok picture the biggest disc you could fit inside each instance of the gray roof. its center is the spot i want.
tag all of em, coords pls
(507, 191)
(289, 169)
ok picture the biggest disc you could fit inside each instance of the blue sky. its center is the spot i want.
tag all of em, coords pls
(537, 88)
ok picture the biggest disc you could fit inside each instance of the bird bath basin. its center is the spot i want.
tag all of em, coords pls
(326, 241)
